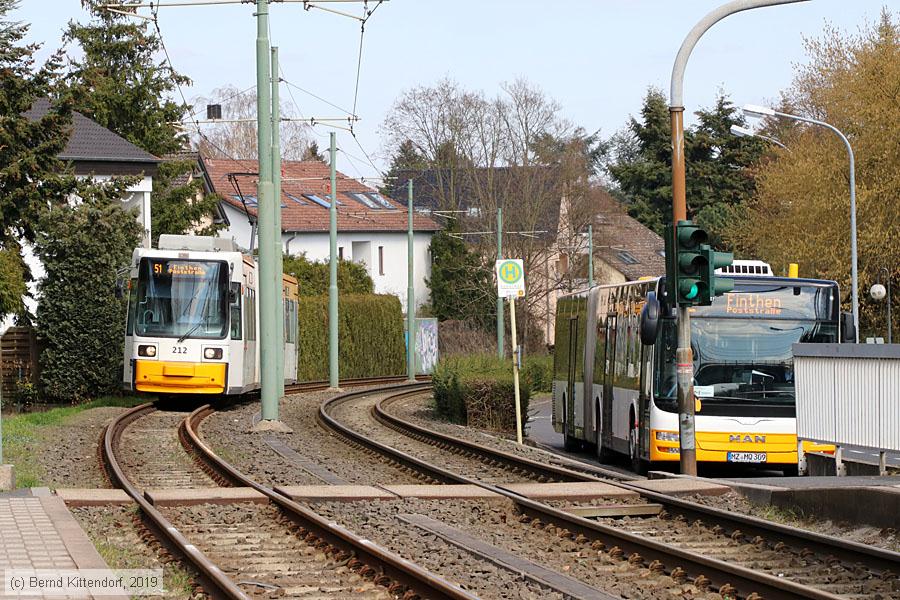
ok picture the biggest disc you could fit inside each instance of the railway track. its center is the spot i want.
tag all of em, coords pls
(277, 549)
(741, 556)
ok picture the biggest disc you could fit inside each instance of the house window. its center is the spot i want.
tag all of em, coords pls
(627, 258)
(340, 253)
(381, 260)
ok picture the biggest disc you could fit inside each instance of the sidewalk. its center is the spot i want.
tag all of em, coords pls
(38, 532)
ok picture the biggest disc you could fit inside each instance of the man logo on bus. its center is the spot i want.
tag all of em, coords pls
(759, 439)
(510, 272)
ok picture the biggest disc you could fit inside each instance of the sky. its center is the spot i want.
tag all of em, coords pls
(595, 57)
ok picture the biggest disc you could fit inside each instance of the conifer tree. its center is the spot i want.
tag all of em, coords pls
(120, 84)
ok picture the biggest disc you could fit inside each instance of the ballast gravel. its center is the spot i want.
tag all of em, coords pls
(228, 432)
(498, 523)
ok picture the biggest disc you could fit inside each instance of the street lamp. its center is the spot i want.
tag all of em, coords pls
(751, 110)
(878, 292)
(738, 131)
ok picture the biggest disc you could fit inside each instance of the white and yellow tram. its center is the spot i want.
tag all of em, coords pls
(193, 319)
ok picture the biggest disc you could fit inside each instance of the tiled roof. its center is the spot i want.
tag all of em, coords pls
(623, 242)
(91, 141)
(300, 213)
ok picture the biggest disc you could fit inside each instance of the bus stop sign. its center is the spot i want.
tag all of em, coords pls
(510, 278)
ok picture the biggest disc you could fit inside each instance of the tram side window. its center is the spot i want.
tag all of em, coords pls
(250, 315)
(132, 306)
(236, 311)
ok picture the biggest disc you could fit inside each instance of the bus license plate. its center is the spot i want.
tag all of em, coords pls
(747, 457)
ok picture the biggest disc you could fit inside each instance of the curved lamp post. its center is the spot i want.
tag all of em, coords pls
(751, 110)
(683, 354)
(738, 131)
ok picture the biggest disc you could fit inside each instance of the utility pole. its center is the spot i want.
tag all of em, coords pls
(591, 255)
(276, 187)
(332, 269)
(269, 316)
(410, 290)
(500, 320)
(684, 356)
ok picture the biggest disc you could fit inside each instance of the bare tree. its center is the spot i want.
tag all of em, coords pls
(513, 152)
(237, 138)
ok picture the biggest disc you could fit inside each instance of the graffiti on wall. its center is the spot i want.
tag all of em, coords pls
(426, 345)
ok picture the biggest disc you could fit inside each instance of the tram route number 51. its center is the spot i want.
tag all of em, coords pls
(511, 284)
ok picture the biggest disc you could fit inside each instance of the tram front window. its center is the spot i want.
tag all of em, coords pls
(738, 360)
(182, 298)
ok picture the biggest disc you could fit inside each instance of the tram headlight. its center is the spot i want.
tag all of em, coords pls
(212, 353)
(667, 436)
(147, 350)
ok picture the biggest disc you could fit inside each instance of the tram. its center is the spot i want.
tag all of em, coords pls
(614, 383)
(193, 317)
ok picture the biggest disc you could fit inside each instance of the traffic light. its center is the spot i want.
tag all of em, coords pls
(685, 263)
(691, 266)
(712, 285)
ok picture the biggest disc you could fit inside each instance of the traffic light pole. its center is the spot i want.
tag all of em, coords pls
(684, 355)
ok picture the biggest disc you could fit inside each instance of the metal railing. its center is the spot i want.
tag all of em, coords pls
(848, 395)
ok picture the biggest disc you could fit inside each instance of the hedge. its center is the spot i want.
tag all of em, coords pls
(538, 372)
(477, 390)
(370, 337)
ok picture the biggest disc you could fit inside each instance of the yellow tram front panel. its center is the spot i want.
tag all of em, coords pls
(164, 377)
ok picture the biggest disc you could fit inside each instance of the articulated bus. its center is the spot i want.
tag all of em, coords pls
(616, 392)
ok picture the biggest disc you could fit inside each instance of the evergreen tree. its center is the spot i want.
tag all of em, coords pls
(717, 165)
(119, 84)
(312, 152)
(79, 318)
(31, 175)
(179, 207)
(460, 283)
(313, 276)
(407, 158)
(32, 178)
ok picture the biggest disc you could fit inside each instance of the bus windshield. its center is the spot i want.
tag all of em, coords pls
(182, 298)
(742, 345)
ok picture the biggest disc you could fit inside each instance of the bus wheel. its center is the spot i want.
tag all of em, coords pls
(634, 452)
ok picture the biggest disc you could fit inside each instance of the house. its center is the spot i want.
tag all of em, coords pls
(543, 226)
(94, 150)
(372, 228)
(623, 250)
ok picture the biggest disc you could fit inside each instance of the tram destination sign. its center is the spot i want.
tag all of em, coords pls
(510, 278)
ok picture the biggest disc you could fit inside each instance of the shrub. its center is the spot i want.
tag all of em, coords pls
(313, 276)
(538, 372)
(370, 337)
(79, 318)
(478, 391)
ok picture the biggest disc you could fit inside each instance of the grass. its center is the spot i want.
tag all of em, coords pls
(119, 552)
(22, 435)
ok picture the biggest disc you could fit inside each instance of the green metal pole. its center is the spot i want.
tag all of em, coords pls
(500, 321)
(276, 187)
(410, 291)
(590, 256)
(333, 285)
(268, 297)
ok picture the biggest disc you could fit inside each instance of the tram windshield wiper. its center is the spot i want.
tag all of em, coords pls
(190, 331)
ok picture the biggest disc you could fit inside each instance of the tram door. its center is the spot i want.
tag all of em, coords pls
(608, 372)
(570, 388)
